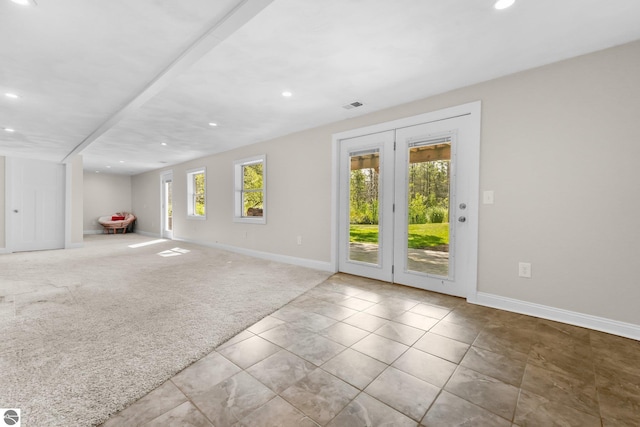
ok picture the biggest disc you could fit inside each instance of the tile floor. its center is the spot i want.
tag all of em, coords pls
(356, 352)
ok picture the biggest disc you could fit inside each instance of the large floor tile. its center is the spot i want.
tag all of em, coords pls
(484, 391)
(416, 320)
(459, 333)
(159, 401)
(205, 374)
(286, 334)
(344, 334)
(365, 321)
(562, 389)
(280, 370)
(320, 395)
(233, 399)
(495, 365)
(443, 347)
(250, 351)
(534, 410)
(367, 411)
(381, 348)
(183, 415)
(425, 366)
(316, 349)
(403, 392)
(355, 368)
(277, 412)
(452, 411)
(404, 334)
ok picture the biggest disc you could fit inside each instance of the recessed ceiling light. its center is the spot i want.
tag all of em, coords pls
(9, 130)
(108, 167)
(11, 95)
(121, 161)
(213, 124)
(97, 171)
(287, 94)
(503, 4)
(25, 2)
(163, 143)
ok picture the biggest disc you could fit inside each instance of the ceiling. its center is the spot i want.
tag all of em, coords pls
(133, 85)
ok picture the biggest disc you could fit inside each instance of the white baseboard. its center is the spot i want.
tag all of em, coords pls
(84, 232)
(302, 262)
(4, 251)
(628, 330)
(74, 246)
(147, 234)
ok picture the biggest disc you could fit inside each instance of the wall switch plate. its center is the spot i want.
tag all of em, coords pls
(487, 197)
(524, 270)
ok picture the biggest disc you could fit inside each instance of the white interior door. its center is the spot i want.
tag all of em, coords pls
(408, 204)
(36, 206)
(167, 205)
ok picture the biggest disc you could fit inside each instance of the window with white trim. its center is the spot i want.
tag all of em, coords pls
(196, 193)
(250, 190)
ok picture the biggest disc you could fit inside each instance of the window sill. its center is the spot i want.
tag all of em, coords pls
(249, 220)
(197, 217)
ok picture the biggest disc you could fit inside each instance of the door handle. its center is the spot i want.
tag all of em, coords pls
(15, 210)
(462, 219)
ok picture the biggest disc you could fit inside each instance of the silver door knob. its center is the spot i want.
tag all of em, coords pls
(15, 210)
(462, 219)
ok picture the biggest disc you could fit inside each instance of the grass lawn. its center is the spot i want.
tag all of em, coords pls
(421, 236)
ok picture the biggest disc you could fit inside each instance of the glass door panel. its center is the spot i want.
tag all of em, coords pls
(428, 190)
(167, 205)
(364, 179)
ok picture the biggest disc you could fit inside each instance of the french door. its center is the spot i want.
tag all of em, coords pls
(408, 205)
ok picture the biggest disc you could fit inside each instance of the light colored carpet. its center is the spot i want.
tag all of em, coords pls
(86, 331)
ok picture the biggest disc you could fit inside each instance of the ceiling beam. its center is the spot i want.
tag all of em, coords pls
(231, 22)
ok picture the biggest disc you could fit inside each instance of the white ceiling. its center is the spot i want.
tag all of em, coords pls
(113, 80)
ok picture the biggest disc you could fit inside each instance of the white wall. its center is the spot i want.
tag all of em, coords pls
(77, 203)
(2, 204)
(104, 194)
(560, 146)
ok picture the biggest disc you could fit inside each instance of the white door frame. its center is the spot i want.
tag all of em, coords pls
(163, 211)
(473, 109)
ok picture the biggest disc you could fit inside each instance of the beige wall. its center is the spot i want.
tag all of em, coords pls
(560, 146)
(2, 204)
(104, 194)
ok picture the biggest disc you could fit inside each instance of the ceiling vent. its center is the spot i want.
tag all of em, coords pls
(352, 105)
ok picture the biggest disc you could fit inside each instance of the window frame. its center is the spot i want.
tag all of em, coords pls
(238, 190)
(191, 202)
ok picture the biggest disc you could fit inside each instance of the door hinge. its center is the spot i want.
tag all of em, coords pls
(392, 268)
(394, 146)
(394, 208)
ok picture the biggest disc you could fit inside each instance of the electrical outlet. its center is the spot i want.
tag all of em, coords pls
(299, 240)
(524, 270)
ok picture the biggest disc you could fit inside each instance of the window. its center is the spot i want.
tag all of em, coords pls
(250, 194)
(196, 193)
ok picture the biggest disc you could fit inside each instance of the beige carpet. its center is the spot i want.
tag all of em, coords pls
(86, 331)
